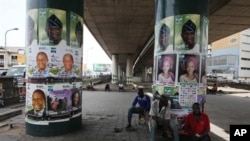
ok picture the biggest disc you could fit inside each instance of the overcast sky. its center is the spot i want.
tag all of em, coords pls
(12, 15)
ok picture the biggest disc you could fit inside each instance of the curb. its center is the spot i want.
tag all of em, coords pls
(10, 113)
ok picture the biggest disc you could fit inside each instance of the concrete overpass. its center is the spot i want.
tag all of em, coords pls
(126, 27)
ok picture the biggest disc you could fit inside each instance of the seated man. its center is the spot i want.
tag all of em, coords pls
(107, 88)
(144, 106)
(197, 124)
(214, 89)
(160, 117)
(120, 87)
(90, 86)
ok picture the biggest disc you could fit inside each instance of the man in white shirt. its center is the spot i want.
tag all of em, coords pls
(160, 116)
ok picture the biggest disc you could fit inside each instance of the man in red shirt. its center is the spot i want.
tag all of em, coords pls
(197, 124)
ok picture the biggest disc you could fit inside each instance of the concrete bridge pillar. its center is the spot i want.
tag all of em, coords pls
(53, 67)
(129, 69)
(181, 40)
(114, 69)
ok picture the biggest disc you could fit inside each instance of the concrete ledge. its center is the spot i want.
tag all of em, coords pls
(9, 113)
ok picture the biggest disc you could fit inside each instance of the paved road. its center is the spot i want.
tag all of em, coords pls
(104, 111)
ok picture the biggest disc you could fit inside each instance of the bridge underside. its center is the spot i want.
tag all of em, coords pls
(123, 27)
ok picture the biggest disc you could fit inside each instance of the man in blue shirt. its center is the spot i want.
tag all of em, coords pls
(144, 107)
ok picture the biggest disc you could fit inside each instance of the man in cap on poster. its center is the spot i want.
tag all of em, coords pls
(53, 30)
(188, 36)
(79, 34)
(31, 41)
(164, 45)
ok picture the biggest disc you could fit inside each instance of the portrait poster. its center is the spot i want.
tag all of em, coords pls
(159, 88)
(32, 28)
(166, 69)
(187, 94)
(164, 36)
(189, 68)
(201, 94)
(76, 30)
(203, 70)
(36, 103)
(59, 101)
(57, 18)
(187, 33)
(204, 34)
(38, 59)
(172, 91)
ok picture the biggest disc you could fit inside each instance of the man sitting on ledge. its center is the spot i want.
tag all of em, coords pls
(120, 87)
(144, 106)
(197, 124)
(160, 117)
(90, 86)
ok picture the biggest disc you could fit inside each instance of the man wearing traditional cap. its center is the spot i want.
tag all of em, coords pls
(53, 30)
(30, 32)
(164, 45)
(79, 33)
(78, 36)
(188, 36)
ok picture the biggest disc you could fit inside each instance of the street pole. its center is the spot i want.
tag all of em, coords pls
(6, 35)
(5, 45)
(87, 56)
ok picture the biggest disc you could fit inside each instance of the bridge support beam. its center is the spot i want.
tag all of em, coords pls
(114, 69)
(54, 64)
(181, 39)
(129, 69)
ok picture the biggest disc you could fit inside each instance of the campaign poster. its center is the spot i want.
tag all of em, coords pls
(203, 70)
(187, 33)
(187, 94)
(189, 68)
(32, 28)
(76, 30)
(164, 36)
(52, 27)
(204, 34)
(76, 99)
(36, 102)
(166, 69)
(59, 101)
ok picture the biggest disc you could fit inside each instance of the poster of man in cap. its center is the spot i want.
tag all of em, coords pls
(31, 40)
(187, 33)
(164, 36)
(76, 30)
(52, 27)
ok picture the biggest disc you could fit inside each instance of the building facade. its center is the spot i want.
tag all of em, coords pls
(10, 56)
(230, 57)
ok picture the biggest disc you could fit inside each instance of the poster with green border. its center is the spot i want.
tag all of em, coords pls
(191, 22)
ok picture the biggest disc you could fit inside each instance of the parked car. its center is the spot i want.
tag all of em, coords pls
(17, 70)
(3, 72)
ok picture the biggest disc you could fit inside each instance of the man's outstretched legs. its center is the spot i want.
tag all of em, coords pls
(131, 111)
